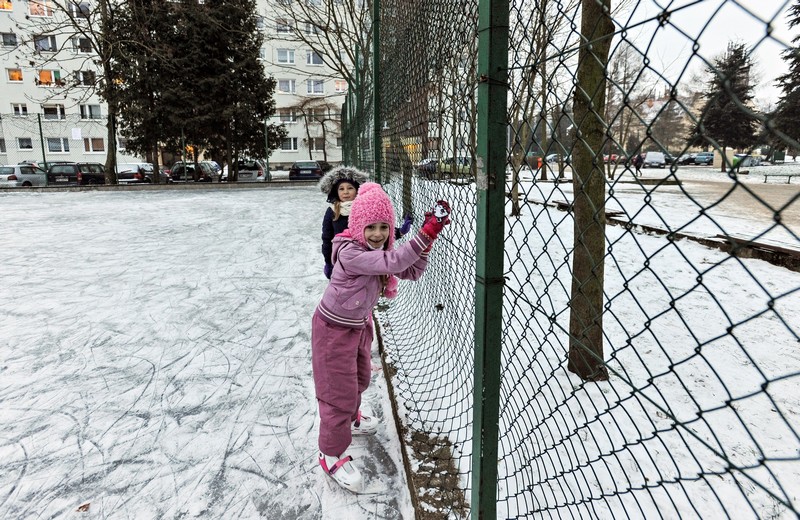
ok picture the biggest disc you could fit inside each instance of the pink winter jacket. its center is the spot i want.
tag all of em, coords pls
(357, 280)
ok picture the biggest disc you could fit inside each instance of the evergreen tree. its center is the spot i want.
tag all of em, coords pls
(192, 77)
(667, 127)
(141, 63)
(786, 117)
(727, 119)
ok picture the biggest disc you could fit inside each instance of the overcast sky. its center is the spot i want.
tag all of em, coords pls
(713, 23)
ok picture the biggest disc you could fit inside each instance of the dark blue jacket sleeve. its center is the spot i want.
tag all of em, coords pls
(327, 235)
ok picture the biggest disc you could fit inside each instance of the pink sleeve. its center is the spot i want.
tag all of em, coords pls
(400, 262)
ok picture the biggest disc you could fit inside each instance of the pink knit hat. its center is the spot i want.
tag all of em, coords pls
(372, 205)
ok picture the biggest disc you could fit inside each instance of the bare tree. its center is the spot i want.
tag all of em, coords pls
(87, 45)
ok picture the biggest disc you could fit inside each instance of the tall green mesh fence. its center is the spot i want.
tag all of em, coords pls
(674, 394)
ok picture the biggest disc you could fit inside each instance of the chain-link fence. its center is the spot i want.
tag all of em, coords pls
(648, 357)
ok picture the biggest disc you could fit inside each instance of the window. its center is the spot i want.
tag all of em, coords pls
(262, 53)
(44, 43)
(53, 112)
(316, 3)
(81, 45)
(340, 85)
(286, 86)
(312, 28)
(317, 144)
(14, 74)
(316, 114)
(2, 146)
(122, 143)
(287, 115)
(289, 143)
(285, 56)
(313, 58)
(260, 23)
(94, 144)
(85, 78)
(9, 40)
(90, 111)
(5, 5)
(24, 143)
(49, 78)
(315, 86)
(20, 109)
(79, 9)
(283, 25)
(40, 7)
(339, 142)
(57, 144)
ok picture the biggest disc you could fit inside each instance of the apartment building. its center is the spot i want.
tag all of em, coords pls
(49, 110)
(309, 95)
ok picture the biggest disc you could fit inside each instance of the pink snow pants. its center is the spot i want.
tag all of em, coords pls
(340, 357)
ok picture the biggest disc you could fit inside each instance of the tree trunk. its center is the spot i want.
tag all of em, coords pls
(586, 303)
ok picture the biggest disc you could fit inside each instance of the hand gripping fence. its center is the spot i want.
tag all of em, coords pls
(621, 272)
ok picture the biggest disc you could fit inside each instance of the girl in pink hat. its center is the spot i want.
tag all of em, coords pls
(341, 187)
(365, 266)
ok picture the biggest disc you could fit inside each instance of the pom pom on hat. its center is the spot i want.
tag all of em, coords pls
(329, 184)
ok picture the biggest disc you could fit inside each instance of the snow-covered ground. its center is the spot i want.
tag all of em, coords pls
(155, 360)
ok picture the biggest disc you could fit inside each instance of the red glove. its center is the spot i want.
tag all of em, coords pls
(437, 219)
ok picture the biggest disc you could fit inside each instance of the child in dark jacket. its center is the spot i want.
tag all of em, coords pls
(366, 266)
(341, 186)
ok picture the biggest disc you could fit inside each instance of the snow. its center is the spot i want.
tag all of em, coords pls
(155, 357)
(155, 360)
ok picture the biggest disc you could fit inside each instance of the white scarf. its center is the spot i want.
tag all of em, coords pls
(344, 207)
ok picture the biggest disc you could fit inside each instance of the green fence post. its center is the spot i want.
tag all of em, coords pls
(491, 166)
(376, 89)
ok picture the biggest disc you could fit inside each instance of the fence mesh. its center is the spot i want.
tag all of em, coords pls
(698, 218)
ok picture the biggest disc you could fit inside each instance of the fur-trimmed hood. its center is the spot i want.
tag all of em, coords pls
(329, 183)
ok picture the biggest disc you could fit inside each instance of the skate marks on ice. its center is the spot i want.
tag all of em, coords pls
(173, 379)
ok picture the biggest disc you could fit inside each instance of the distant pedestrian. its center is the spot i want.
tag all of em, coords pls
(638, 160)
(341, 186)
(366, 266)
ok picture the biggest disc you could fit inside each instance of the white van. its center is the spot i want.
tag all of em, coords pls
(654, 160)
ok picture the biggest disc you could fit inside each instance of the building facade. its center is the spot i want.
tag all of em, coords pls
(309, 94)
(49, 109)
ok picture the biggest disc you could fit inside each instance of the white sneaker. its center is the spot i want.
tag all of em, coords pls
(343, 471)
(364, 425)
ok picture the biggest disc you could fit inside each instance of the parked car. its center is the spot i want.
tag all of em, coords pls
(426, 167)
(459, 165)
(305, 170)
(186, 172)
(133, 173)
(687, 158)
(706, 158)
(76, 174)
(654, 160)
(252, 170)
(25, 175)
